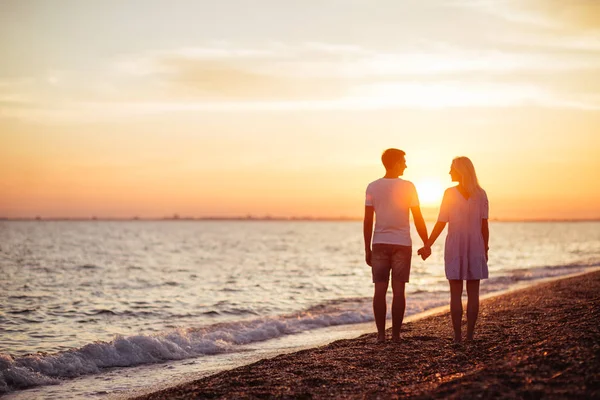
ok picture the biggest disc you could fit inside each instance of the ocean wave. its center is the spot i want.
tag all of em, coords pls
(89, 266)
(42, 369)
(182, 343)
(523, 275)
(23, 311)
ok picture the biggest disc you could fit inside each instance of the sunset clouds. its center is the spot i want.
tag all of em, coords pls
(261, 76)
(506, 53)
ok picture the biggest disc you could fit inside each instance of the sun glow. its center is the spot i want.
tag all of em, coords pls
(430, 192)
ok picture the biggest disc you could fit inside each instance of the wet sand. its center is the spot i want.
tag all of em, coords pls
(538, 342)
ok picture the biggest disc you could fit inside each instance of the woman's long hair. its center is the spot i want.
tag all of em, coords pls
(465, 168)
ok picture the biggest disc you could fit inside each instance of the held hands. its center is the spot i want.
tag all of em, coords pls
(424, 252)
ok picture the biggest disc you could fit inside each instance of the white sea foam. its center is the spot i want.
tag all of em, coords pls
(68, 285)
(182, 343)
(41, 369)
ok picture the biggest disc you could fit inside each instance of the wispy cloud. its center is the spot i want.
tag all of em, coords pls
(508, 10)
(545, 14)
(314, 76)
(577, 14)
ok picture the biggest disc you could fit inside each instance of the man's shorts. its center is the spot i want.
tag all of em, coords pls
(390, 257)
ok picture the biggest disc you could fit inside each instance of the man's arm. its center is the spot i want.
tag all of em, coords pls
(485, 231)
(368, 232)
(425, 251)
(419, 223)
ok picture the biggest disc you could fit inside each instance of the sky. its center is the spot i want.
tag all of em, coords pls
(149, 108)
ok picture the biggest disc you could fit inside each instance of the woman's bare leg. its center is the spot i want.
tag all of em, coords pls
(472, 307)
(456, 308)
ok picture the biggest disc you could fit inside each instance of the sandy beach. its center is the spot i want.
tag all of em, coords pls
(538, 342)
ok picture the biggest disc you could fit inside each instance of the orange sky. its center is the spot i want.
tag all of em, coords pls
(171, 112)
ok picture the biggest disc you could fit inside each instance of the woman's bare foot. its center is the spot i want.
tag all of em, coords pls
(381, 338)
(396, 339)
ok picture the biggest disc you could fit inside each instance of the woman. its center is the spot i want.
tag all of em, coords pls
(465, 208)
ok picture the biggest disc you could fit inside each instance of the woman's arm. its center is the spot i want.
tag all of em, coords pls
(485, 231)
(425, 251)
(435, 233)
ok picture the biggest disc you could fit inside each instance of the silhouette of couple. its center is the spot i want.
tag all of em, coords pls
(388, 247)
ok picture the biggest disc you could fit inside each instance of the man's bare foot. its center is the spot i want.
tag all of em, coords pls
(457, 339)
(381, 338)
(396, 339)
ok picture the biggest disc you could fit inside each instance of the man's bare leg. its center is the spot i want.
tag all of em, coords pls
(398, 307)
(380, 309)
(456, 308)
(472, 307)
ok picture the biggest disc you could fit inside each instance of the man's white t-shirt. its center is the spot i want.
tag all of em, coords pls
(392, 199)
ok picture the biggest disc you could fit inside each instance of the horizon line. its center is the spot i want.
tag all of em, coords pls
(267, 218)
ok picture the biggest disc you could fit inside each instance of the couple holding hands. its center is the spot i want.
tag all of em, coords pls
(388, 247)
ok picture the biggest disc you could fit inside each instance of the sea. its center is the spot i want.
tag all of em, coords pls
(109, 309)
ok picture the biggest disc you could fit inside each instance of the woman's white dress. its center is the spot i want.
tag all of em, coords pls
(464, 254)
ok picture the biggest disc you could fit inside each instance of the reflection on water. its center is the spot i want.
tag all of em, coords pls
(66, 285)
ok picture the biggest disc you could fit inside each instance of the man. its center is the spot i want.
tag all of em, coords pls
(390, 198)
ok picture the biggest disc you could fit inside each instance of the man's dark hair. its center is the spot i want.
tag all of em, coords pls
(390, 157)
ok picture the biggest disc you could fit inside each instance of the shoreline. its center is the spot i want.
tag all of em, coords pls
(359, 368)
